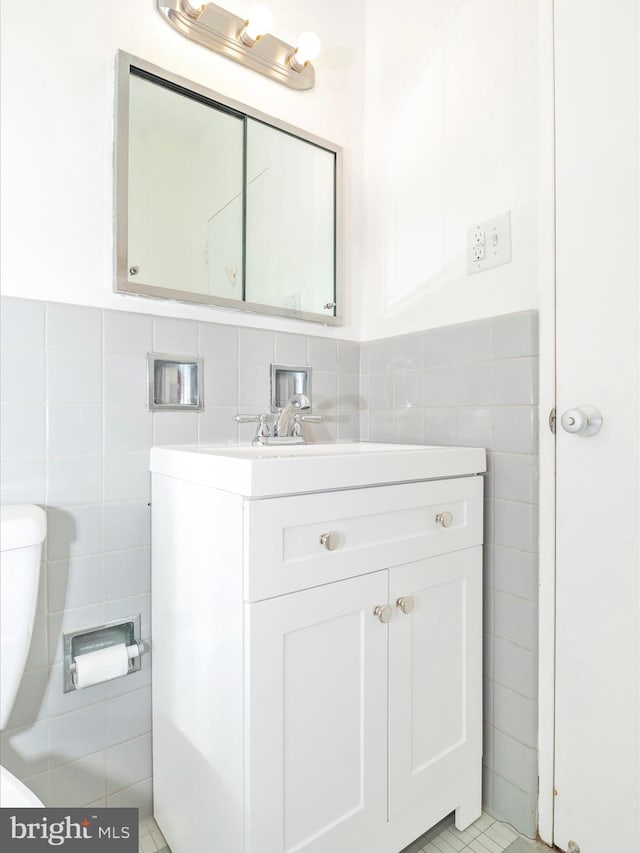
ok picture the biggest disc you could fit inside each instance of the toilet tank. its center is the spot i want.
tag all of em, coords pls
(22, 532)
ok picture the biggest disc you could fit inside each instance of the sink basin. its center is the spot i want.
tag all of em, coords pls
(266, 471)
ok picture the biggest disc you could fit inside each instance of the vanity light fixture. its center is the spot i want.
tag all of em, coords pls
(245, 40)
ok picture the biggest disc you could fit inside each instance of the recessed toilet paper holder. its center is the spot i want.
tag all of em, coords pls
(87, 640)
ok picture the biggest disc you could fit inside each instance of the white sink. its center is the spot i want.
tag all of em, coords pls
(255, 471)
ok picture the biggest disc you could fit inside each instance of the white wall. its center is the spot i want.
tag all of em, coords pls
(451, 120)
(453, 127)
(57, 133)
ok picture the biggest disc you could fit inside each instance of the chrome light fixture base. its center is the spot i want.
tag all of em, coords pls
(219, 30)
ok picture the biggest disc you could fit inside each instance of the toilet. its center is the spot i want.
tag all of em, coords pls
(22, 532)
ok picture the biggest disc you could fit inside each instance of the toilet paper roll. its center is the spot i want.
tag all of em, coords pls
(101, 665)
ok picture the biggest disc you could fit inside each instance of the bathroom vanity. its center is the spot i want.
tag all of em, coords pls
(316, 645)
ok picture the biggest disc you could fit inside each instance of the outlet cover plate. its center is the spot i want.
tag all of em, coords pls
(494, 237)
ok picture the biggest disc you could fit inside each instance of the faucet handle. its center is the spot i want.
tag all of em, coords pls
(247, 419)
(299, 419)
(264, 428)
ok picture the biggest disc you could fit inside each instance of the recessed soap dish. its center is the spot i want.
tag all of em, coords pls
(174, 382)
(288, 381)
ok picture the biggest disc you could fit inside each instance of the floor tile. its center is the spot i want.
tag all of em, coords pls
(146, 826)
(466, 835)
(501, 834)
(526, 845)
(476, 846)
(147, 844)
(159, 838)
(443, 846)
(484, 822)
(490, 844)
(454, 839)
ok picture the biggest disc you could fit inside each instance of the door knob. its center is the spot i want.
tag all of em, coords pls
(444, 518)
(383, 612)
(584, 421)
(406, 603)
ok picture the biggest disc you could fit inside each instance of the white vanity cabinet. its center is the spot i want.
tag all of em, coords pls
(316, 663)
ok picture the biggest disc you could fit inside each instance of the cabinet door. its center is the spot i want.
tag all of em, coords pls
(435, 674)
(316, 717)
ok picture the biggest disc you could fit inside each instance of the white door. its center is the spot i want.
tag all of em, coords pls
(316, 715)
(435, 675)
(597, 669)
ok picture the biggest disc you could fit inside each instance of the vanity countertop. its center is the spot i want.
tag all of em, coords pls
(267, 471)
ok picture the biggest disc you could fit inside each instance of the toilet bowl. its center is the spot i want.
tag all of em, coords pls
(22, 532)
(14, 793)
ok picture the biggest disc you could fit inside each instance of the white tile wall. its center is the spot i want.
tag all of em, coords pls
(291, 349)
(129, 763)
(175, 336)
(480, 386)
(75, 438)
(323, 354)
(80, 782)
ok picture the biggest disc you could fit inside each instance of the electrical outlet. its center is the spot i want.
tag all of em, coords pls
(489, 244)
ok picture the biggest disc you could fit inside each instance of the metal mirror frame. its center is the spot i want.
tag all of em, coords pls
(125, 62)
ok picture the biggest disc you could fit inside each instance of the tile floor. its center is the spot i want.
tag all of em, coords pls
(150, 838)
(486, 835)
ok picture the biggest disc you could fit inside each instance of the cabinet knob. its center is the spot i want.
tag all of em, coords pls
(406, 603)
(330, 540)
(383, 612)
(444, 518)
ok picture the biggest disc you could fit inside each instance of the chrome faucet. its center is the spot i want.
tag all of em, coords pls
(283, 422)
(285, 426)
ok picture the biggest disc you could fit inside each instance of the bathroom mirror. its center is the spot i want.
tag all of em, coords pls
(219, 204)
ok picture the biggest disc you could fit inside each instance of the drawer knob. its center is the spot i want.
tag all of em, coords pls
(406, 603)
(383, 612)
(330, 540)
(444, 518)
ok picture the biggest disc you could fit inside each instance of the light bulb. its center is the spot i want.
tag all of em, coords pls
(309, 48)
(260, 22)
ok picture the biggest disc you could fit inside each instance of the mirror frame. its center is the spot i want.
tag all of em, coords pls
(125, 63)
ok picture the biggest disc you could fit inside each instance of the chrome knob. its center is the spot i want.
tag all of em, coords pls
(584, 421)
(383, 612)
(406, 603)
(330, 540)
(444, 518)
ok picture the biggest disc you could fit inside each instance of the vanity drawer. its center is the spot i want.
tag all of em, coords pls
(303, 541)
